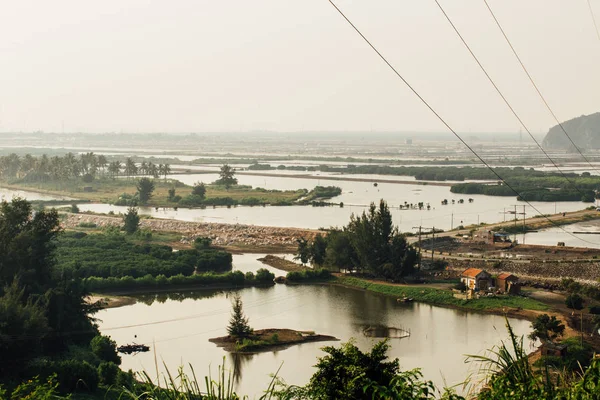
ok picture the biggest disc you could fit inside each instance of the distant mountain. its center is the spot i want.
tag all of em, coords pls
(584, 131)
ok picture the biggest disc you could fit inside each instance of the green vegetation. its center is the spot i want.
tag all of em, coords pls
(546, 328)
(370, 243)
(238, 324)
(145, 187)
(131, 221)
(529, 189)
(149, 282)
(442, 297)
(81, 255)
(309, 275)
(226, 177)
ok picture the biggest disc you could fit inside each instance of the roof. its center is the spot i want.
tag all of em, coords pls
(472, 272)
(506, 275)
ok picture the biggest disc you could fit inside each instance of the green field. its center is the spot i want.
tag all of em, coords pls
(442, 297)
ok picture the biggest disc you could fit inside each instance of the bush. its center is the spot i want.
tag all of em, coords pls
(460, 286)
(75, 375)
(87, 225)
(574, 301)
(308, 275)
(105, 349)
(264, 275)
(125, 379)
(595, 310)
(74, 208)
(108, 371)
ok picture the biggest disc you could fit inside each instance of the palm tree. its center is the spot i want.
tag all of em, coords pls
(130, 167)
(164, 169)
(144, 168)
(114, 168)
(102, 162)
(152, 170)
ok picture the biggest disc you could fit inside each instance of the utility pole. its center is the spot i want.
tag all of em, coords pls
(452, 222)
(420, 228)
(432, 242)
(524, 224)
(515, 235)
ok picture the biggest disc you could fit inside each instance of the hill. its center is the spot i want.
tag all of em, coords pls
(584, 130)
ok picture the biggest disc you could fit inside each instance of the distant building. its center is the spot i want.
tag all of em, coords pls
(476, 279)
(551, 349)
(508, 283)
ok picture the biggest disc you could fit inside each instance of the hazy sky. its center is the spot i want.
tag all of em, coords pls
(288, 65)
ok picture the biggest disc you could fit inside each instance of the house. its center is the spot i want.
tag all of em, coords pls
(508, 283)
(476, 279)
(551, 349)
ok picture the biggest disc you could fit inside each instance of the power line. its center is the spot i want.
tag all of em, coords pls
(443, 121)
(535, 85)
(512, 110)
(593, 18)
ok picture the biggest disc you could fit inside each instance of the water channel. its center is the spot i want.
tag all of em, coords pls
(178, 326)
(355, 196)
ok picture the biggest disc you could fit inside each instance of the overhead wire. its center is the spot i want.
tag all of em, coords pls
(537, 89)
(443, 121)
(593, 18)
(511, 108)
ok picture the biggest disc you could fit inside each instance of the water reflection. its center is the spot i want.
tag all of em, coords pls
(238, 362)
(149, 298)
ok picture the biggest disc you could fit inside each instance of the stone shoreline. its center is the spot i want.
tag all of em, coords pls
(221, 234)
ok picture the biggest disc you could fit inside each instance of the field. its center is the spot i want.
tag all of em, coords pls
(442, 297)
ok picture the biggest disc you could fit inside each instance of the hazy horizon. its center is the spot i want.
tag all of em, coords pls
(235, 66)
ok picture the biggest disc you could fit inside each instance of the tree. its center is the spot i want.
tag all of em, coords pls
(318, 250)
(574, 301)
(105, 349)
(130, 167)
(226, 176)
(238, 324)
(164, 169)
(303, 251)
(348, 373)
(171, 194)
(114, 168)
(131, 220)
(199, 190)
(145, 187)
(546, 328)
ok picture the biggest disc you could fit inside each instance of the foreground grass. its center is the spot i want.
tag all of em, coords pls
(443, 297)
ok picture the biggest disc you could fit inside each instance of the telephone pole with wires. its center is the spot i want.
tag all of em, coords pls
(420, 228)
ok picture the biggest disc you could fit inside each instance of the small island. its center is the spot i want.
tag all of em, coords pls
(243, 339)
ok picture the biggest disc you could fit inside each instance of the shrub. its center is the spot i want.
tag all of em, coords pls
(74, 208)
(87, 225)
(264, 275)
(309, 275)
(108, 371)
(105, 348)
(75, 375)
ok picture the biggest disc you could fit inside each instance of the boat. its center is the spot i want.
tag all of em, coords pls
(133, 348)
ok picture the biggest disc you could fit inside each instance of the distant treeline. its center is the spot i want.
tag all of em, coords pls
(71, 166)
(529, 190)
(446, 173)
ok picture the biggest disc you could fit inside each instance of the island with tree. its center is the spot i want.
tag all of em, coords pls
(242, 338)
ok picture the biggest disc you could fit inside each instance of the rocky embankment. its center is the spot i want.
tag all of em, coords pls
(221, 234)
(536, 271)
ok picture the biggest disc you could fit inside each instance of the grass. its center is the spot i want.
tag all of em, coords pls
(443, 297)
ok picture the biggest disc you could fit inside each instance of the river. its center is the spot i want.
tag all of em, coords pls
(178, 326)
(355, 196)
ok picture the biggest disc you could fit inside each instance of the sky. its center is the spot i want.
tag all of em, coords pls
(290, 65)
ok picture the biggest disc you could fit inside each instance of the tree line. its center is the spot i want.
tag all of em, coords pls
(71, 166)
(370, 243)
